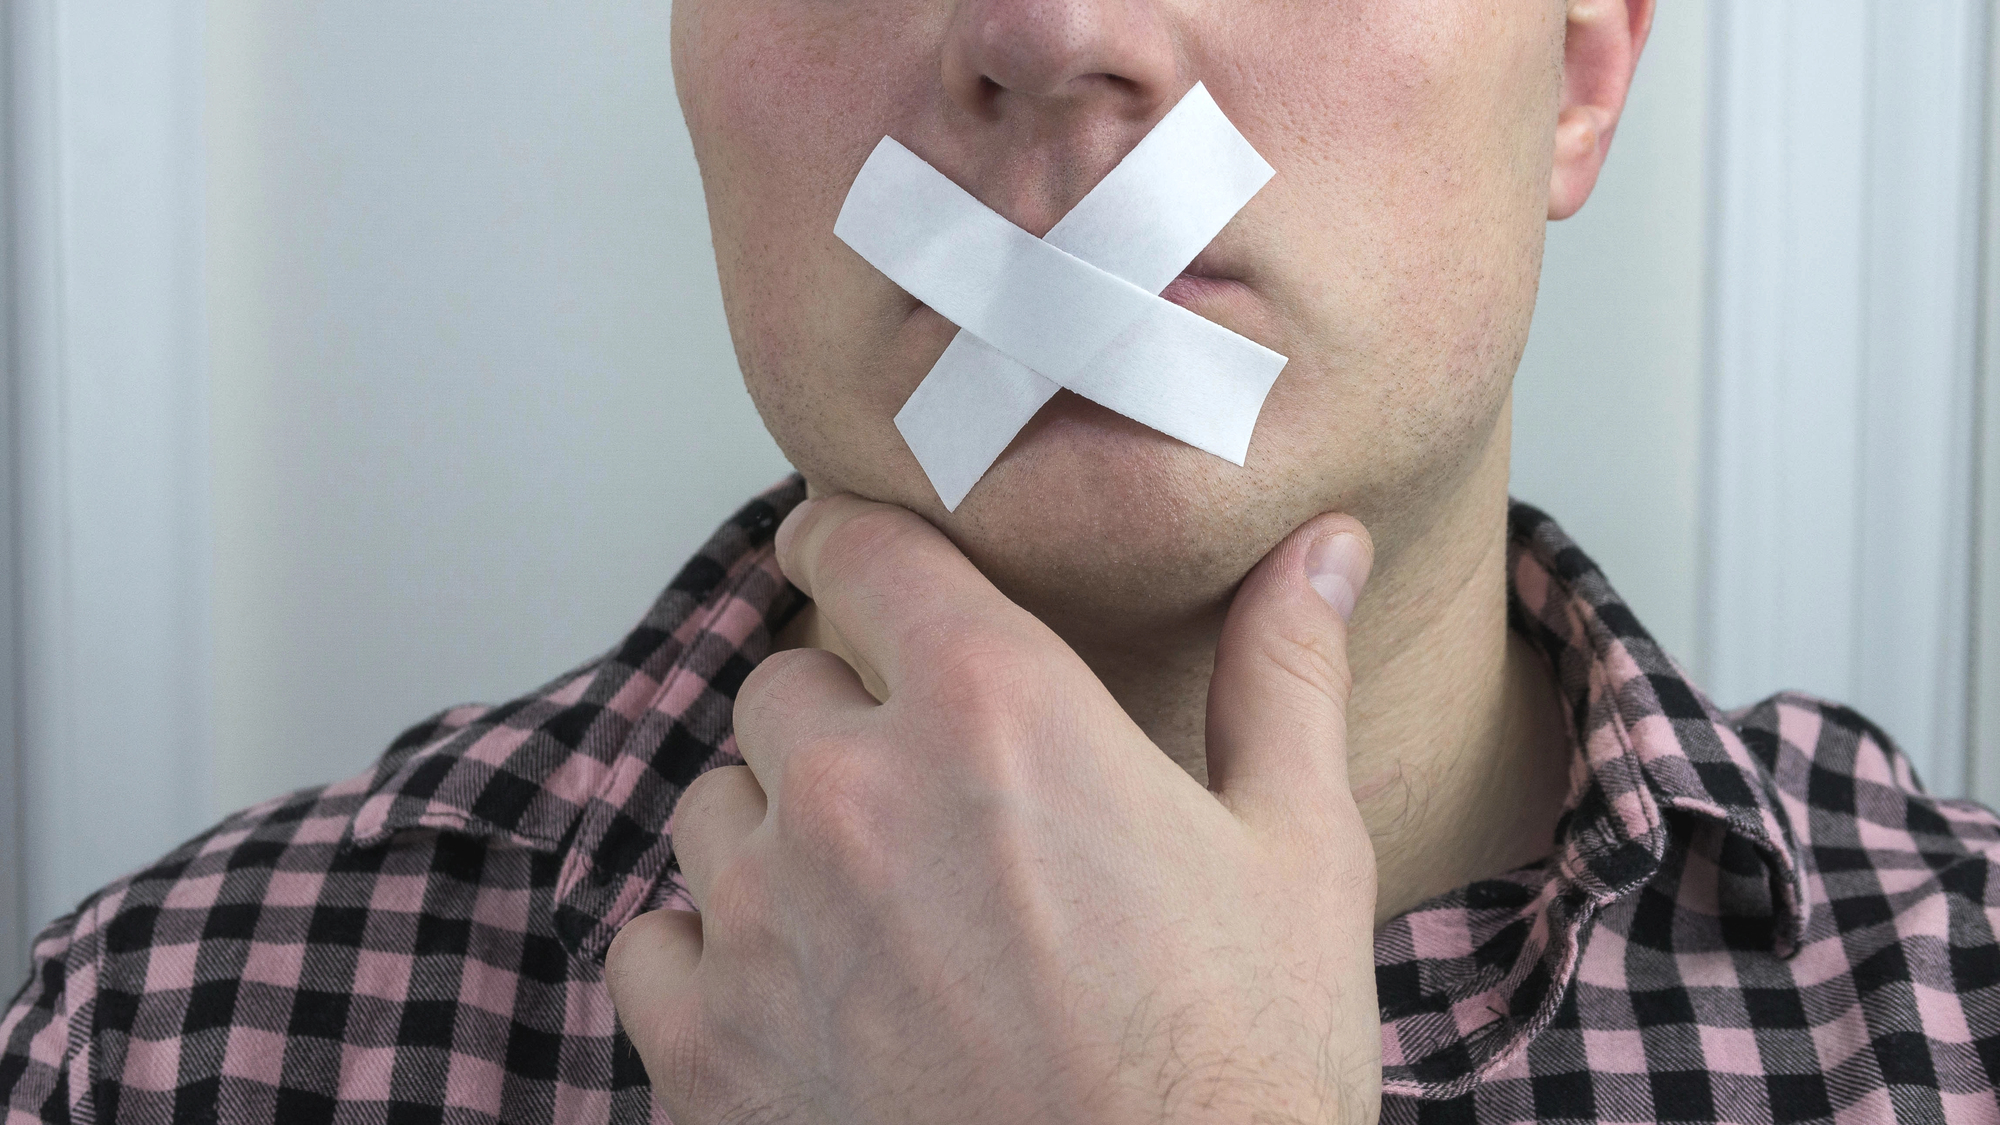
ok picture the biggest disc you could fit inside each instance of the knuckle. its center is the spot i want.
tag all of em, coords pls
(767, 676)
(667, 1036)
(986, 681)
(997, 707)
(831, 806)
(769, 687)
(858, 544)
(1315, 661)
(684, 1058)
(829, 771)
(691, 1071)
(620, 977)
(737, 913)
(705, 790)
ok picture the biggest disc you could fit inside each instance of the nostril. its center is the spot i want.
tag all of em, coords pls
(1060, 52)
(1116, 83)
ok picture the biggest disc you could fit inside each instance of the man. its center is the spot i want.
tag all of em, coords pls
(1081, 802)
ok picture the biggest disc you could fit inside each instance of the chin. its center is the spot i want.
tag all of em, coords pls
(1090, 514)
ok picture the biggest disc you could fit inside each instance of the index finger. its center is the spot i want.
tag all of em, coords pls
(892, 585)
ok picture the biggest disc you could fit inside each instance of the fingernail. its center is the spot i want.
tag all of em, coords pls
(789, 525)
(1336, 567)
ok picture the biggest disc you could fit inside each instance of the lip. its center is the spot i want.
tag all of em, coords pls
(1214, 274)
(1191, 289)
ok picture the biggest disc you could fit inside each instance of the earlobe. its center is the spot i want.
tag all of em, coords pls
(1601, 45)
(1582, 135)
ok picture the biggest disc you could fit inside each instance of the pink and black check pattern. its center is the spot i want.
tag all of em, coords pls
(1755, 916)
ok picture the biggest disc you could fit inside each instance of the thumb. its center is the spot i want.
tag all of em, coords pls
(1277, 703)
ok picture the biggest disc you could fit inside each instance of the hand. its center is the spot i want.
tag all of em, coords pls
(990, 898)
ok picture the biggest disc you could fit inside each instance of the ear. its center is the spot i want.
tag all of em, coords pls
(1600, 50)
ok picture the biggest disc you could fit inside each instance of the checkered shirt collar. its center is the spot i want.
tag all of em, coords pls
(1469, 978)
(590, 766)
(1652, 748)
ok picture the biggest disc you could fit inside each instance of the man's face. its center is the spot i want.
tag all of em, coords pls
(1394, 257)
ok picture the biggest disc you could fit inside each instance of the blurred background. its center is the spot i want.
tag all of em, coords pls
(367, 357)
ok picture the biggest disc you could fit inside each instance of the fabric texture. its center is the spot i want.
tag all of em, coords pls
(1754, 916)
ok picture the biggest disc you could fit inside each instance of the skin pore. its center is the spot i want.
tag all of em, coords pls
(1420, 147)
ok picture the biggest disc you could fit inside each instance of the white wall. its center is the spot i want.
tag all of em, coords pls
(107, 426)
(1984, 766)
(475, 401)
(1608, 403)
(1843, 330)
(14, 923)
(466, 343)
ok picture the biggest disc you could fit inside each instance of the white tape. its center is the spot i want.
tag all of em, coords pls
(1076, 309)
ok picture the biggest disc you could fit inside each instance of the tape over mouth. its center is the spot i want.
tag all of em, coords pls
(1078, 308)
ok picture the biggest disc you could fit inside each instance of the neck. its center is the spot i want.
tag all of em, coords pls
(1458, 751)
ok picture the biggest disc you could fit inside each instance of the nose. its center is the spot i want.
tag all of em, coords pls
(1007, 56)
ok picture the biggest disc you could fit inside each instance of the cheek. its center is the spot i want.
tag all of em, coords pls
(764, 108)
(1413, 143)
(784, 100)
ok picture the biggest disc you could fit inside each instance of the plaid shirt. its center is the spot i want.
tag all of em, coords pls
(1754, 916)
